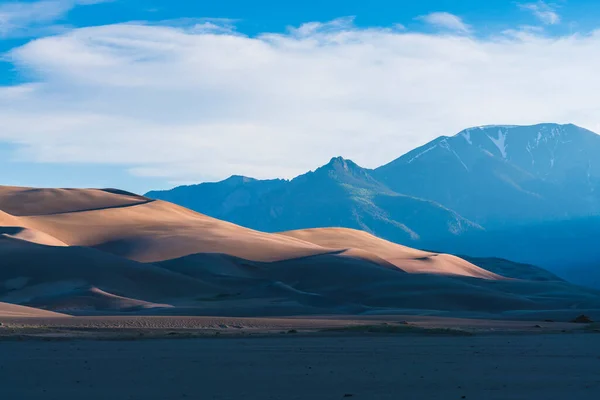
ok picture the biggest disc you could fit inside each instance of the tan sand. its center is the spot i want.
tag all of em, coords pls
(159, 231)
(30, 235)
(408, 259)
(7, 219)
(13, 310)
(22, 201)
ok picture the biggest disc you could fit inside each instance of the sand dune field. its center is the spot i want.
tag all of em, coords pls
(109, 252)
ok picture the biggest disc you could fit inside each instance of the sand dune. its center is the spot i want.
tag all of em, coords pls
(408, 259)
(21, 201)
(93, 299)
(38, 274)
(7, 219)
(340, 284)
(30, 235)
(13, 310)
(159, 231)
(89, 251)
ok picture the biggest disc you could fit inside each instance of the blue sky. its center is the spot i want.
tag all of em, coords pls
(148, 94)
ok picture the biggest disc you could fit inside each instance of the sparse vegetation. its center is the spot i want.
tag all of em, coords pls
(582, 319)
(398, 329)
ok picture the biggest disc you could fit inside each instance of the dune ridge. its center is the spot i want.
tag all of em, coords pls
(25, 201)
(408, 259)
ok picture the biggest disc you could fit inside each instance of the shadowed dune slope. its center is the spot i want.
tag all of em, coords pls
(93, 299)
(30, 272)
(342, 284)
(405, 258)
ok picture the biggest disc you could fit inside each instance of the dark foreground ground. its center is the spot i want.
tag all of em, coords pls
(546, 366)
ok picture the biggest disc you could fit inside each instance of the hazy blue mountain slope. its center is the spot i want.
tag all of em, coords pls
(511, 269)
(503, 175)
(220, 198)
(338, 194)
(568, 248)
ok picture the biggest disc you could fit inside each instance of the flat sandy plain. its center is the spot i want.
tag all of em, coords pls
(383, 357)
(365, 366)
(157, 327)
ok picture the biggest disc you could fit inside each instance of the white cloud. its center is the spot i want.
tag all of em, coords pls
(182, 104)
(200, 25)
(446, 20)
(546, 13)
(16, 18)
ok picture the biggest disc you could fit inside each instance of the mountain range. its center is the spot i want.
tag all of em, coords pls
(475, 193)
(338, 194)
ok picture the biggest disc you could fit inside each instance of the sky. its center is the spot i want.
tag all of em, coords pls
(150, 94)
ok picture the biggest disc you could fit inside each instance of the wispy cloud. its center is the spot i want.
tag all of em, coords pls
(17, 18)
(447, 21)
(201, 25)
(180, 104)
(543, 11)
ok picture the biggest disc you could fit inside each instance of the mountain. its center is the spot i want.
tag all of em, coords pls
(504, 175)
(527, 193)
(487, 177)
(568, 248)
(535, 190)
(339, 194)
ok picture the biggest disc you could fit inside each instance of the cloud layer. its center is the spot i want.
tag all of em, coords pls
(446, 20)
(205, 102)
(544, 12)
(21, 18)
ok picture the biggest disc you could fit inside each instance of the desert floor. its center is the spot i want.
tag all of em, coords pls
(181, 327)
(426, 364)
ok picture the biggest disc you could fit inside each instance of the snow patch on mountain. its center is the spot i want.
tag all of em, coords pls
(528, 148)
(485, 127)
(500, 142)
(421, 153)
(537, 140)
(445, 145)
(467, 135)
